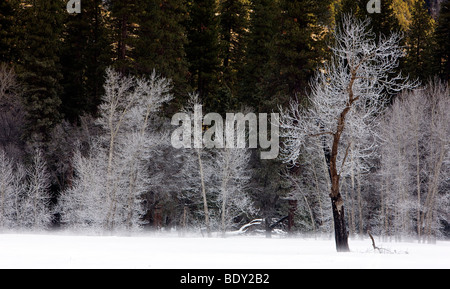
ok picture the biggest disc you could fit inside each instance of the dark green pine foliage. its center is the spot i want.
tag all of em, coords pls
(233, 24)
(160, 43)
(203, 52)
(8, 10)
(299, 48)
(442, 35)
(123, 25)
(40, 69)
(259, 41)
(347, 7)
(85, 55)
(419, 62)
(383, 23)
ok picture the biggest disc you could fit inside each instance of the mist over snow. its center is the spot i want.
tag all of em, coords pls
(168, 251)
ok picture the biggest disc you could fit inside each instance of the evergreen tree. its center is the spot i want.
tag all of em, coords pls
(344, 7)
(203, 52)
(86, 53)
(299, 48)
(443, 41)
(383, 23)
(233, 22)
(263, 27)
(123, 22)
(161, 40)
(8, 10)
(40, 70)
(419, 60)
(403, 10)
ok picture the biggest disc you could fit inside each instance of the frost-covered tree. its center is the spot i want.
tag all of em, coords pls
(214, 175)
(83, 204)
(232, 176)
(310, 186)
(128, 105)
(351, 83)
(196, 169)
(195, 184)
(35, 202)
(120, 155)
(24, 193)
(9, 193)
(437, 199)
(415, 163)
(396, 203)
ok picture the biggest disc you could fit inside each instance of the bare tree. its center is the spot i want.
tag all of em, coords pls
(415, 163)
(7, 191)
(120, 155)
(438, 152)
(195, 164)
(35, 203)
(82, 205)
(232, 171)
(354, 81)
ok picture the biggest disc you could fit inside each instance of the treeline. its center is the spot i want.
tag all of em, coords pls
(234, 54)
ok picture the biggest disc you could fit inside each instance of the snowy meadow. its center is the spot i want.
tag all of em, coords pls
(168, 251)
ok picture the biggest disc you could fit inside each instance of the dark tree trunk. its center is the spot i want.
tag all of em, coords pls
(268, 228)
(337, 203)
(340, 228)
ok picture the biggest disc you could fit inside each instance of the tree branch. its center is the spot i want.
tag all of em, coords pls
(321, 133)
(345, 157)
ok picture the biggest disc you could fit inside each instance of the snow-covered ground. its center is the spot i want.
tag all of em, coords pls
(236, 252)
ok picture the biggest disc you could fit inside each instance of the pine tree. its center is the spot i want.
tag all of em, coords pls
(263, 27)
(383, 23)
(419, 60)
(8, 10)
(299, 47)
(203, 52)
(40, 69)
(161, 40)
(86, 53)
(443, 41)
(403, 10)
(123, 23)
(233, 22)
(345, 7)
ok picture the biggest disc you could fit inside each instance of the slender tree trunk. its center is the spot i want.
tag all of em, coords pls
(2, 201)
(109, 191)
(319, 199)
(352, 205)
(267, 227)
(205, 202)
(431, 196)
(224, 206)
(224, 191)
(383, 209)
(418, 180)
(353, 190)
(360, 204)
